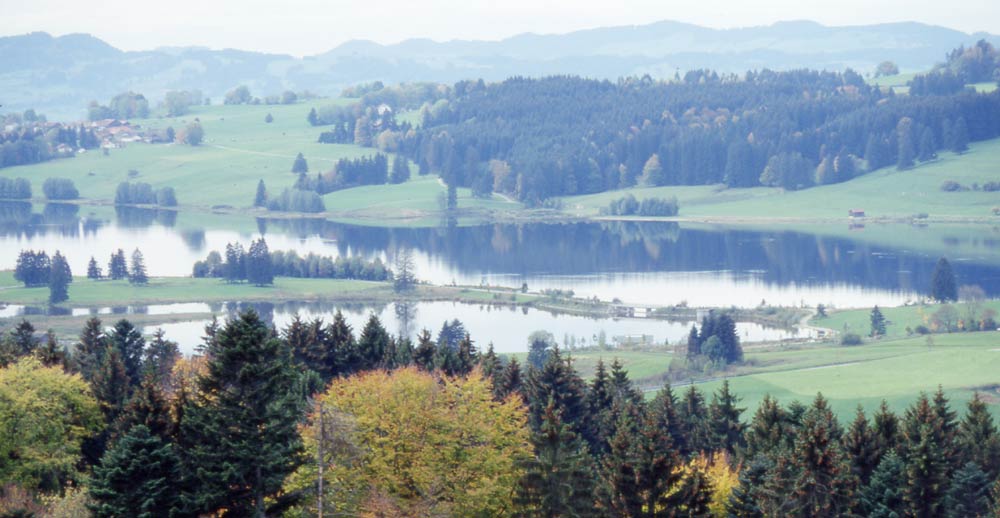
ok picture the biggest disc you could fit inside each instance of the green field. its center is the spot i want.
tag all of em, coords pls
(897, 371)
(885, 193)
(897, 319)
(84, 292)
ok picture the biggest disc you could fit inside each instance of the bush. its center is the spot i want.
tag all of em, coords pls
(15, 189)
(651, 207)
(165, 197)
(850, 339)
(991, 186)
(296, 200)
(137, 193)
(60, 189)
(951, 186)
(921, 330)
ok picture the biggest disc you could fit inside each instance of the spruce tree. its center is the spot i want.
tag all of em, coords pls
(242, 422)
(137, 271)
(693, 417)
(299, 165)
(159, 357)
(345, 350)
(558, 481)
(861, 447)
(622, 494)
(742, 501)
(423, 356)
(260, 199)
(372, 344)
(130, 344)
(882, 497)
(822, 482)
(877, 323)
(694, 494)
(768, 431)
(111, 385)
(510, 382)
(260, 271)
(138, 477)
(724, 423)
(928, 149)
(923, 448)
(885, 427)
(657, 457)
(60, 277)
(599, 400)
(969, 495)
(89, 351)
(93, 270)
(960, 136)
(943, 287)
(559, 382)
(117, 267)
(977, 439)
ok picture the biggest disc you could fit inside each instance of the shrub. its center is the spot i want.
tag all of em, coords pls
(951, 186)
(296, 200)
(850, 339)
(921, 330)
(991, 186)
(60, 189)
(15, 189)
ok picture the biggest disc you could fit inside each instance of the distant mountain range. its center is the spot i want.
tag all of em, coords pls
(59, 75)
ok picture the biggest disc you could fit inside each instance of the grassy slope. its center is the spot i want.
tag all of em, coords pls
(859, 320)
(882, 193)
(895, 371)
(84, 292)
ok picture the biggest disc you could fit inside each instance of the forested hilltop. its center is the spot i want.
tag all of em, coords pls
(539, 138)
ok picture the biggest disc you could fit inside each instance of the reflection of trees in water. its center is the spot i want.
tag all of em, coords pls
(18, 219)
(312, 309)
(141, 217)
(776, 257)
(406, 315)
(194, 239)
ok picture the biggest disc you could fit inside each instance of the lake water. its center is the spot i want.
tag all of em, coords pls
(641, 263)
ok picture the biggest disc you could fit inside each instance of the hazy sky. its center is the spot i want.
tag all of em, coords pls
(303, 27)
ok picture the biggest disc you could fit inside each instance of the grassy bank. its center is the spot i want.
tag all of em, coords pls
(898, 319)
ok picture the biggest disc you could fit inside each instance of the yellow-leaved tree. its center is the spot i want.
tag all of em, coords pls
(410, 443)
(722, 477)
(45, 414)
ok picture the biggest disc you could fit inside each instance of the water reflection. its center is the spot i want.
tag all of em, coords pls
(654, 263)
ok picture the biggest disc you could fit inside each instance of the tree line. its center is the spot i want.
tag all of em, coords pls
(560, 136)
(259, 265)
(254, 422)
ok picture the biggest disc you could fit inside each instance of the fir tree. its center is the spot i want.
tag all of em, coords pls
(22, 339)
(111, 384)
(943, 288)
(345, 350)
(137, 271)
(960, 136)
(694, 494)
(657, 454)
(93, 270)
(423, 357)
(768, 431)
(557, 481)
(724, 423)
(160, 356)
(300, 165)
(623, 495)
(242, 423)
(313, 117)
(260, 272)
(599, 400)
(50, 354)
(60, 277)
(742, 501)
(510, 382)
(928, 148)
(466, 355)
(137, 477)
(923, 445)
(885, 428)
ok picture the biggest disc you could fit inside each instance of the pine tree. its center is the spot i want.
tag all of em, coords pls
(60, 277)
(137, 477)
(622, 495)
(943, 288)
(742, 501)
(372, 344)
(50, 354)
(510, 382)
(657, 454)
(149, 407)
(260, 199)
(693, 418)
(467, 356)
(904, 139)
(861, 447)
(928, 149)
(93, 270)
(241, 424)
(313, 117)
(969, 495)
(137, 272)
(960, 136)
(260, 272)
(110, 385)
(882, 497)
(300, 165)
(599, 400)
(346, 356)
(724, 423)
(885, 428)
(977, 438)
(621, 386)
(89, 351)
(877, 323)
(129, 343)
(423, 357)
(160, 356)
(557, 481)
